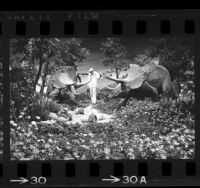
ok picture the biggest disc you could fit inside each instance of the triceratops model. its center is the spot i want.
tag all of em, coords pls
(147, 81)
(65, 78)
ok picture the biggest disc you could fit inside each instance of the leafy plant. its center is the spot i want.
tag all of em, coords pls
(114, 55)
(41, 107)
(141, 130)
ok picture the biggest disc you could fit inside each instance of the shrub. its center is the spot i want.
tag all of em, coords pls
(141, 130)
(41, 107)
(82, 97)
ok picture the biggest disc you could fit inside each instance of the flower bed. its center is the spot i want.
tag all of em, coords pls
(141, 130)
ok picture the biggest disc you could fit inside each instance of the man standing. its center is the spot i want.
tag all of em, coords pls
(93, 76)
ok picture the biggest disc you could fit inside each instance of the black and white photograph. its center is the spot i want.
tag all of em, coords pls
(102, 98)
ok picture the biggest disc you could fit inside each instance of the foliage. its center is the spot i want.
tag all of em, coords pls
(66, 52)
(175, 54)
(21, 93)
(41, 107)
(70, 52)
(142, 59)
(141, 130)
(26, 70)
(114, 55)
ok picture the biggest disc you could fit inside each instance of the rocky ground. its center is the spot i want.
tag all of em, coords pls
(80, 115)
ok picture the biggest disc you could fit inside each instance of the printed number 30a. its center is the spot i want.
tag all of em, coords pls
(38, 180)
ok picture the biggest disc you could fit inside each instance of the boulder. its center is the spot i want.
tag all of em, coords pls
(70, 112)
(65, 109)
(66, 116)
(79, 111)
(62, 119)
(90, 110)
(106, 116)
(69, 116)
(48, 121)
(84, 118)
(92, 118)
(77, 121)
(99, 116)
(53, 115)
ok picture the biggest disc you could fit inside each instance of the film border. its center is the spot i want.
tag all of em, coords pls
(8, 21)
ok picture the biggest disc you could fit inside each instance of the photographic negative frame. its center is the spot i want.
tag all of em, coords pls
(98, 25)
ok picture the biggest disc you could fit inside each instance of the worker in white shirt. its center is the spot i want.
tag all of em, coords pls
(94, 76)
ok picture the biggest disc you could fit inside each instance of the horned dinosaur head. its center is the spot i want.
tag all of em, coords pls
(134, 78)
(66, 77)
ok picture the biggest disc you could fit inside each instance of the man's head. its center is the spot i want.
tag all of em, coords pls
(91, 70)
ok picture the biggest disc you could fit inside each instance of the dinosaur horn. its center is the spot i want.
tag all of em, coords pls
(118, 85)
(82, 84)
(59, 84)
(113, 79)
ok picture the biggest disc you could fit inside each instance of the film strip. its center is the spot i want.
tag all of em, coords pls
(65, 128)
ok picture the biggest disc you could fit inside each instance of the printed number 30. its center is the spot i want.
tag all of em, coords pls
(36, 180)
(132, 179)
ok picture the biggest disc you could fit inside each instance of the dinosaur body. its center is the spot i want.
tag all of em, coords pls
(147, 81)
(64, 78)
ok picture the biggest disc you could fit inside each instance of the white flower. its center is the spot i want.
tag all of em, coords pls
(120, 142)
(90, 134)
(58, 148)
(33, 123)
(25, 108)
(85, 147)
(37, 117)
(20, 116)
(191, 150)
(107, 150)
(14, 124)
(52, 121)
(22, 113)
(29, 117)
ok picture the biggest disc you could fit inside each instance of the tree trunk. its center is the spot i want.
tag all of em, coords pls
(44, 77)
(117, 72)
(40, 67)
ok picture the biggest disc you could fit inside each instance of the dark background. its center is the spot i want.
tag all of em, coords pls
(26, 5)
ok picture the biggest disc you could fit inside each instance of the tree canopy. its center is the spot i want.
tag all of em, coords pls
(114, 55)
(176, 54)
